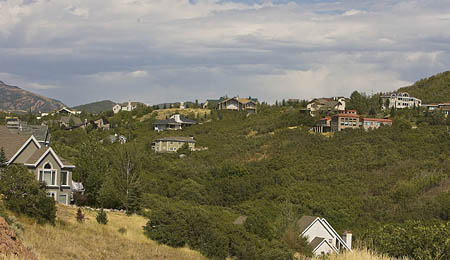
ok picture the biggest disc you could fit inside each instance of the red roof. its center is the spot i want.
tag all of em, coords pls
(346, 115)
(326, 118)
(377, 119)
(351, 110)
(445, 107)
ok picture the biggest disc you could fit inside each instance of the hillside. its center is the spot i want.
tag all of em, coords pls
(431, 90)
(90, 240)
(96, 107)
(13, 98)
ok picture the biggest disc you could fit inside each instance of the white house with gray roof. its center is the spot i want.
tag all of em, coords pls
(172, 144)
(175, 122)
(322, 237)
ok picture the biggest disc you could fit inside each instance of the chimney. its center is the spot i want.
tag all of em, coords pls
(347, 237)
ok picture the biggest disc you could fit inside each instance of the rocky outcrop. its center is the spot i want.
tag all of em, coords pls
(10, 244)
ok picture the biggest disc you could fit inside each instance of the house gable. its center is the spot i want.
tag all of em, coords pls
(49, 151)
(28, 148)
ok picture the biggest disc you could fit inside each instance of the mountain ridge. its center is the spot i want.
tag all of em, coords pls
(14, 98)
(433, 89)
(96, 107)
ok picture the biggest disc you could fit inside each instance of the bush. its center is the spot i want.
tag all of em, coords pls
(414, 240)
(102, 218)
(24, 195)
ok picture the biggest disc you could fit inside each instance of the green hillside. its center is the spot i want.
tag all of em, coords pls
(431, 90)
(96, 107)
(270, 168)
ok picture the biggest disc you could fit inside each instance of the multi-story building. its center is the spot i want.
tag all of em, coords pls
(326, 105)
(343, 121)
(172, 144)
(400, 101)
(175, 122)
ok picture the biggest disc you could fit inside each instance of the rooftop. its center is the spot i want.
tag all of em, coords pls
(177, 139)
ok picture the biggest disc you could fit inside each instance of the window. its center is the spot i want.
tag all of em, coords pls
(47, 175)
(64, 178)
(62, 198)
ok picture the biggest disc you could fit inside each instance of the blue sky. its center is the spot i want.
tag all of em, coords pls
(156, 51)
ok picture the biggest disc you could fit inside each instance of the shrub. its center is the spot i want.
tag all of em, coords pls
(24, 195)
(80, 216)
(102, 218)
(122, 230)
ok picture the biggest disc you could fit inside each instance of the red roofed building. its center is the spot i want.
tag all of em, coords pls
(343, 121)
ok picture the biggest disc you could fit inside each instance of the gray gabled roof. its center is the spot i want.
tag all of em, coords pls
(305, 221)
(166, 122)
(316, 242)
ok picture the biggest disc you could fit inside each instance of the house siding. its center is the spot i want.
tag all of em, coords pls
(27, 152)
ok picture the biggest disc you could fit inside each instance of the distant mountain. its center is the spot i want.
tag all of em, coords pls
(96, 107)
(434, 89)
(13, 98)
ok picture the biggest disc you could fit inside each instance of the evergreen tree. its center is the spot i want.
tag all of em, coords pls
(3, 159)
(102, 217)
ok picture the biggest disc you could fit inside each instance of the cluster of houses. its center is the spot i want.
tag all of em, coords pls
(349, 120)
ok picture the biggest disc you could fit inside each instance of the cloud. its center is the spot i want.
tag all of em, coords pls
(172, 50)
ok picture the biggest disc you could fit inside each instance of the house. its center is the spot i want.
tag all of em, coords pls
(49, 168)
(322, 237)
(40, 132)
(175, 122)
(323, 126)
(130, 106)
(239, 104)
(374, 123)
(12, 122)
(326, 105)
(444, 107)
(67, 111)
(70, 122)
(211, 103)
(101, 123)
(400, 101)
(343, 121)
(172, 144)
(445, 110)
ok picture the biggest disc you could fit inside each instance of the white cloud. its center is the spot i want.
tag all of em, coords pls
(165, 50)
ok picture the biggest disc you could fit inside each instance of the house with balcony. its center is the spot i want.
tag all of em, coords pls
(326, 105)
(49, 168)
(400, 101)
(239, 104)
(374, 123)
(322, 237)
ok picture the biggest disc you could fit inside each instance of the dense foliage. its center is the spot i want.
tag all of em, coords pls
(23, 194)
(270, 168)
(96, 107)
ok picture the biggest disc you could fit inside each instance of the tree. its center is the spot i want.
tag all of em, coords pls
(24, 195)
(3, 159)
(80, 216)
(102, 217)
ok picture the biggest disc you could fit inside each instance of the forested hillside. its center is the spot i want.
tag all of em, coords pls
(271, 168)
(431, 90)
(96, 107)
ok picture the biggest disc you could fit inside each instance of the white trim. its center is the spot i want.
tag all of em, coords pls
(32, 138)
(50, 150)
(337, 235)
(64, 194)
(325, 241)
(67, 178)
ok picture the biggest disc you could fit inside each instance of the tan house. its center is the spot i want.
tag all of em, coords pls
(47, 166)
(326, 105)
(238, 104)
(343, 121)
(323, 126)
(172, 144)
(374, 123)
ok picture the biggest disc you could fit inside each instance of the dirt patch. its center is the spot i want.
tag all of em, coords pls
(10, 244)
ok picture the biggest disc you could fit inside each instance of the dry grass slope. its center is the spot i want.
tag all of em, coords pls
(90, 240)
(358, 254)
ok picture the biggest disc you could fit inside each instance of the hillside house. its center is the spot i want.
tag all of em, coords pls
(323, 126)
(374, 123)
(101, 123)
(67, 111)
(322, 237)
(175, 122)
(130, 106)
(41, 160)
(239, 104)
(172, 144)
(326, 105)
(400, 101)
(343, 121)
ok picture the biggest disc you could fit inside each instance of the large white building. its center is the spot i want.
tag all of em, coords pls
(400, 100)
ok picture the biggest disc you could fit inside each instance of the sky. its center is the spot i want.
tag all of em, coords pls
(155, 51)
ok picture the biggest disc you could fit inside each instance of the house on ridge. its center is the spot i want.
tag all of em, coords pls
(239, 104)
(322, 237)
(175, 122)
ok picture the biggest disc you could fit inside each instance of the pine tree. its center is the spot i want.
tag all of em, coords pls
(2, 158)
(102, 218)
(80, 216)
